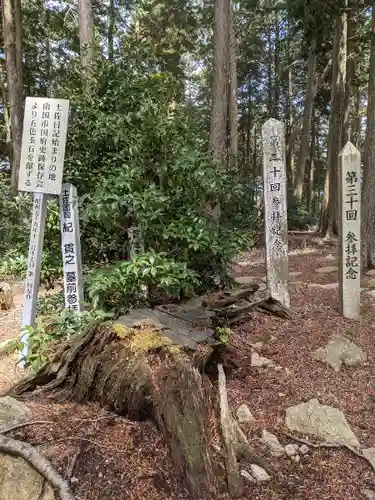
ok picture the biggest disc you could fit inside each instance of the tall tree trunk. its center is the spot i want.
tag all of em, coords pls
(356, 122)
(306, 125)
(111, 28)
(276, 93)
(270, 72)
(288, 111)
(8, 136)
(13, 54)
(219, 106)
(312, 163)
(249, 125)
(329, 214)
(86, 35)
(233, 110)
(368, 199)
(350, 74)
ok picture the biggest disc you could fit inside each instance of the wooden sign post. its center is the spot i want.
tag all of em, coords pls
(71, 248)
(275, 210)
(33, 267)
(41, 168)
(350, 231)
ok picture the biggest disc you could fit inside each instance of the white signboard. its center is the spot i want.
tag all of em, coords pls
(33, 266)
(71, 248)
(43, 145)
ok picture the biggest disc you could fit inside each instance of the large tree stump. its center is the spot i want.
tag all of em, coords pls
(140, 373)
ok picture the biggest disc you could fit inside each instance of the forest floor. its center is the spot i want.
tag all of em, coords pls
(125, 460)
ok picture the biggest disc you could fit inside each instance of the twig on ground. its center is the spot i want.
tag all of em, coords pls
(42, 465)
(69, 472)
(25, 424)
(77, 438)
(355, 451)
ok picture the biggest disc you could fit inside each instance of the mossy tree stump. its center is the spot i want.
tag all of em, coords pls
(140, 373)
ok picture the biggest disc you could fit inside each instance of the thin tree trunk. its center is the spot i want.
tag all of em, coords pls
(350, 73)
(270, 71)
(8, 136)
(86, 35)
(111, 28)
(306, 126)
(310, 191)
(13, 55)
(249, 124)
(368, 199)
(329, 215)
(233, 110)
(219, 106)
(356, 121)
(289, 114)
(276, 92)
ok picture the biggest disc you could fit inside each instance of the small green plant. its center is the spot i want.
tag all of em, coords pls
(224, 334)
(50, 304)
(119, 285)
(47, 331)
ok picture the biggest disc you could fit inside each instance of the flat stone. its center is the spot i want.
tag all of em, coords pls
(296, 458)
(244, 415)
(13, 412)
(246, 475)
(326, 286)
(258, 346)
(338, 351)
(259, 473)
(259, 361)
(20, 481)
(323, 422)
(326, 269)
(371, 284)
(272, 443)
(370, 272)
(330, 256)
(368, 494)
(291, 449)
(369, 453)
(304, 449)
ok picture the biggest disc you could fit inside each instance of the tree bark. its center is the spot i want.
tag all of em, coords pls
(311, 88)
(86, 36)
(111, 28)
(271, 87)
(368, 199)
(311, 190)
(8, 137)
(276, 92)
(329, 214)
(141, 373)
(233, 86)
(220, 83)
(350, 75)
(13, 56)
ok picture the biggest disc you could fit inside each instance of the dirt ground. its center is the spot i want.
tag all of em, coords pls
(123, 460)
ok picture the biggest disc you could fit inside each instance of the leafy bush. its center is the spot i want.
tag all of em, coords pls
(116, 286)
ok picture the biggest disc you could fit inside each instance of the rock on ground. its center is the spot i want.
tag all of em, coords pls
(272, 443)
(369, 494)
(323, 422)
(340, 350)
(291, 449)
(13, 412)
(259, 474)
(244, 415)
(19, 481)
(260, 362)
(369, 453)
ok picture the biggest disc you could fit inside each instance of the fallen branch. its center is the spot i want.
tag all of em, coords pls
(355, 451)
(70, 471)
(236, 445)
(38, 462)
(25, 424)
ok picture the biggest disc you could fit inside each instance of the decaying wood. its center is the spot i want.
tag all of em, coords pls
(142, 373)
(235, 443)
(38, 462)
(356, 451)
(275, 307)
